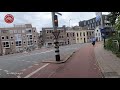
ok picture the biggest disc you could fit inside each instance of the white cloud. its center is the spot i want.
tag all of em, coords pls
(44, 19)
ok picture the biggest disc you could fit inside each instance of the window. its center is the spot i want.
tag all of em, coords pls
(7, 37)
(18, 43)
(90, 33)
(77, 34)
(78, 39)
(24, 42)
(30, 36)
(73, 34)
(84, 33)
(67, 35)
(81, 38)
(3, 37)
(6, 44)
(97, 30)
(99, 34)
(11, 37)
(87, 33)
(23, 37)
(11, 31)
(30, 42)
(106, 17)
(15, 31)
(88, 22)
(35, 41)
(19, 31)
(91, 21)
(12, 43)
(34, 36)
(80, 33)
(84, 22)
(29, 31)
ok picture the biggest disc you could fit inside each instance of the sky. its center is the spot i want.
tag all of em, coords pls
(44, 19)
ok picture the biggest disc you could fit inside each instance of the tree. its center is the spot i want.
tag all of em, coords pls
(117, 24)
(113, 16)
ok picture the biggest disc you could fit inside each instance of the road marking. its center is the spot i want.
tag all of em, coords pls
(23, 70)
(36, 64)
(29, 75)
(0, 69)
(23, 60)
(30, 66)
(6, 70)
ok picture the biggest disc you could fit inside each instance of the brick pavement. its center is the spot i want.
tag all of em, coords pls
(108, 62)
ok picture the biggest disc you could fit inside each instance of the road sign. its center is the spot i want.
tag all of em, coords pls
(9, 18)
(56, 33)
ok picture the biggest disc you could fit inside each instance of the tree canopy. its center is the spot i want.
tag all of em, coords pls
(113, 16)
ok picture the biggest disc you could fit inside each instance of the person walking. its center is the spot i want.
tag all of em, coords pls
(93, 41)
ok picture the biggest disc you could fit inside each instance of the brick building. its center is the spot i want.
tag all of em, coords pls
(18, 38)
(48, 37)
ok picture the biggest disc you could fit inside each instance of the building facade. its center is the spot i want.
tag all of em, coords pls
(48, 37)
(98, 35)
(92, 23)
(18, 38)
(79, 35)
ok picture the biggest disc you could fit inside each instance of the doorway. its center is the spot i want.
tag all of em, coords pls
(84, 40)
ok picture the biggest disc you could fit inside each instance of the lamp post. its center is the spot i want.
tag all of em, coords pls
(69, 22)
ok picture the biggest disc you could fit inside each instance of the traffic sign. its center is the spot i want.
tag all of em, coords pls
(9, 18)
(56, 34)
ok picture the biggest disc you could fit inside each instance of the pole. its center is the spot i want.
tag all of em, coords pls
(57, 54)
(69, 22)
(102, 27)
(1, 52)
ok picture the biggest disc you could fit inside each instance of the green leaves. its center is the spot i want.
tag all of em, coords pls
(117, 25)
(113, 16)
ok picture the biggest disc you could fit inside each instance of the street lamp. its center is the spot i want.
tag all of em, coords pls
(69, 22)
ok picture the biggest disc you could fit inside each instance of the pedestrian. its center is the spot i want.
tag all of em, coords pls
(93, 41)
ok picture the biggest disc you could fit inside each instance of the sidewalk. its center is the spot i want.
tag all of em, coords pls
(81, 65)
(108, 62)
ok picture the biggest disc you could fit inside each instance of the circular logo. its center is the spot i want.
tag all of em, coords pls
(9, 18)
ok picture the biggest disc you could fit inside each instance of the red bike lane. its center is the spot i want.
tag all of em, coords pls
(81, 65)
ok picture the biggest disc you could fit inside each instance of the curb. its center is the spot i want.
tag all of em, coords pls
(59, 62)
